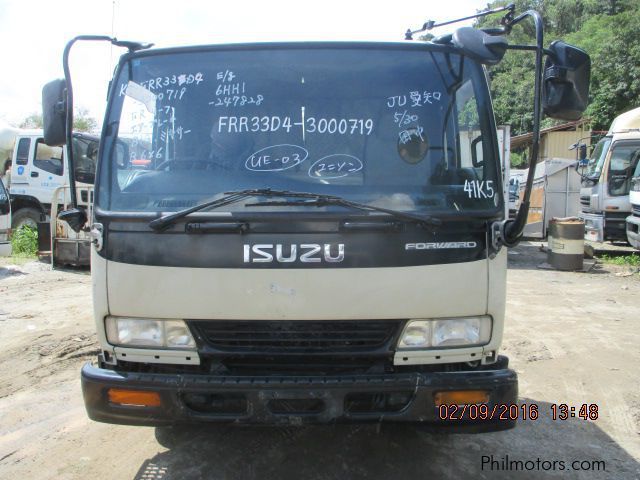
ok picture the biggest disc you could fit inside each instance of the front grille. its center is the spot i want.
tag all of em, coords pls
(335, 364)
(585, 201)
(635, 209)
(300, 336)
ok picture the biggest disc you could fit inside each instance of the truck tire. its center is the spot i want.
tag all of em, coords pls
(25, 216)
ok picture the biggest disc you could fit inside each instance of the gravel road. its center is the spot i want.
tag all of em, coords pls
(574, 338)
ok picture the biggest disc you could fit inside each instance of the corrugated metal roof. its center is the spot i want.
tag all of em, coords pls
(520, 140)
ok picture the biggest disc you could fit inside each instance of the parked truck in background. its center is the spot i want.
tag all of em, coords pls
(306, 232)
(37, 169)
(633, 220)
(39, 178)
(606, 180)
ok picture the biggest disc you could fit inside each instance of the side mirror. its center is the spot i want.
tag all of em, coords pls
(582, 152)
(480, 46)
(54, 112)
(565, 89)
(75, 218)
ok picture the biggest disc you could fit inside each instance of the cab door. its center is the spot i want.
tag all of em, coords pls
(46, 172)
(5, 221)
(21, 166)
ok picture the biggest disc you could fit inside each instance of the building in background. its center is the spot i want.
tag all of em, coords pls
(556, 188)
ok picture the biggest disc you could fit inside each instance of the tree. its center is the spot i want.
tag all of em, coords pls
(82, 121)
(613, 41)
(32, 121)
(606, 30)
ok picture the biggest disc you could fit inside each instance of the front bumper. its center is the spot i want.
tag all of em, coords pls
(287, 400)
(633, 231)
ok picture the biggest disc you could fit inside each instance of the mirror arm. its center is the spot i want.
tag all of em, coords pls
(513, 228)
(132, 47)
(531, 48)
(506, 21)
(69, 112)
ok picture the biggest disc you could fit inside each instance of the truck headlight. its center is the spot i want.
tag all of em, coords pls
(146, 332)
(446, 332)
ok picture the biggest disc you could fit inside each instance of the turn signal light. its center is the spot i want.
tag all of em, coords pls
(137, 398)
(461, 397)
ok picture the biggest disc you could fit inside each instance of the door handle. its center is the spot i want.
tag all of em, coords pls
(34, 174)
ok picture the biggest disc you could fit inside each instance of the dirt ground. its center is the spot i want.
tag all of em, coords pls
(574, 338)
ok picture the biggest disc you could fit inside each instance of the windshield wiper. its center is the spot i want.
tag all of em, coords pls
(229, 197)
(314, 199)
(321, 200)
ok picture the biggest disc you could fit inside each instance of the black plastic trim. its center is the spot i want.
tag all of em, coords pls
(133, 242)
(258, 391)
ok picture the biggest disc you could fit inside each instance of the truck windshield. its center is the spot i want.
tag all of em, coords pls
(397, 127)
(596, 161)
(636, 172)
(624, 159)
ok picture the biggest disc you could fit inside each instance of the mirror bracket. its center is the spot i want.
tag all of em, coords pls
(60, 108)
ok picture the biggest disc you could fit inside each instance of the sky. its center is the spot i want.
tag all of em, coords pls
(33, 35)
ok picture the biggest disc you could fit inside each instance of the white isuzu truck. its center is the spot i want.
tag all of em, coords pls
(39, 184)
(37, 169)
(306, 232)
(606, 180)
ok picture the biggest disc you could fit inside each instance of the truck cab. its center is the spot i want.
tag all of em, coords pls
(606, 180)
(633, 220)
(281, 211)
(5, 221)
(37, 170)
(292, 233)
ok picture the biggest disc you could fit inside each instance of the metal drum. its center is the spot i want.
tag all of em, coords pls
(566, 243)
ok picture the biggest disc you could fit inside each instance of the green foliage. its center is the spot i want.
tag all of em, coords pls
(32, 121)
(519, 159)
(614, 45)
(632, 260)
(24, 241)
(82, 121)
(607, 30)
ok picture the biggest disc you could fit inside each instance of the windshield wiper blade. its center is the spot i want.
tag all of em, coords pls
(320, 200)
(230, 197)
(313, 199)
(159, 224)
